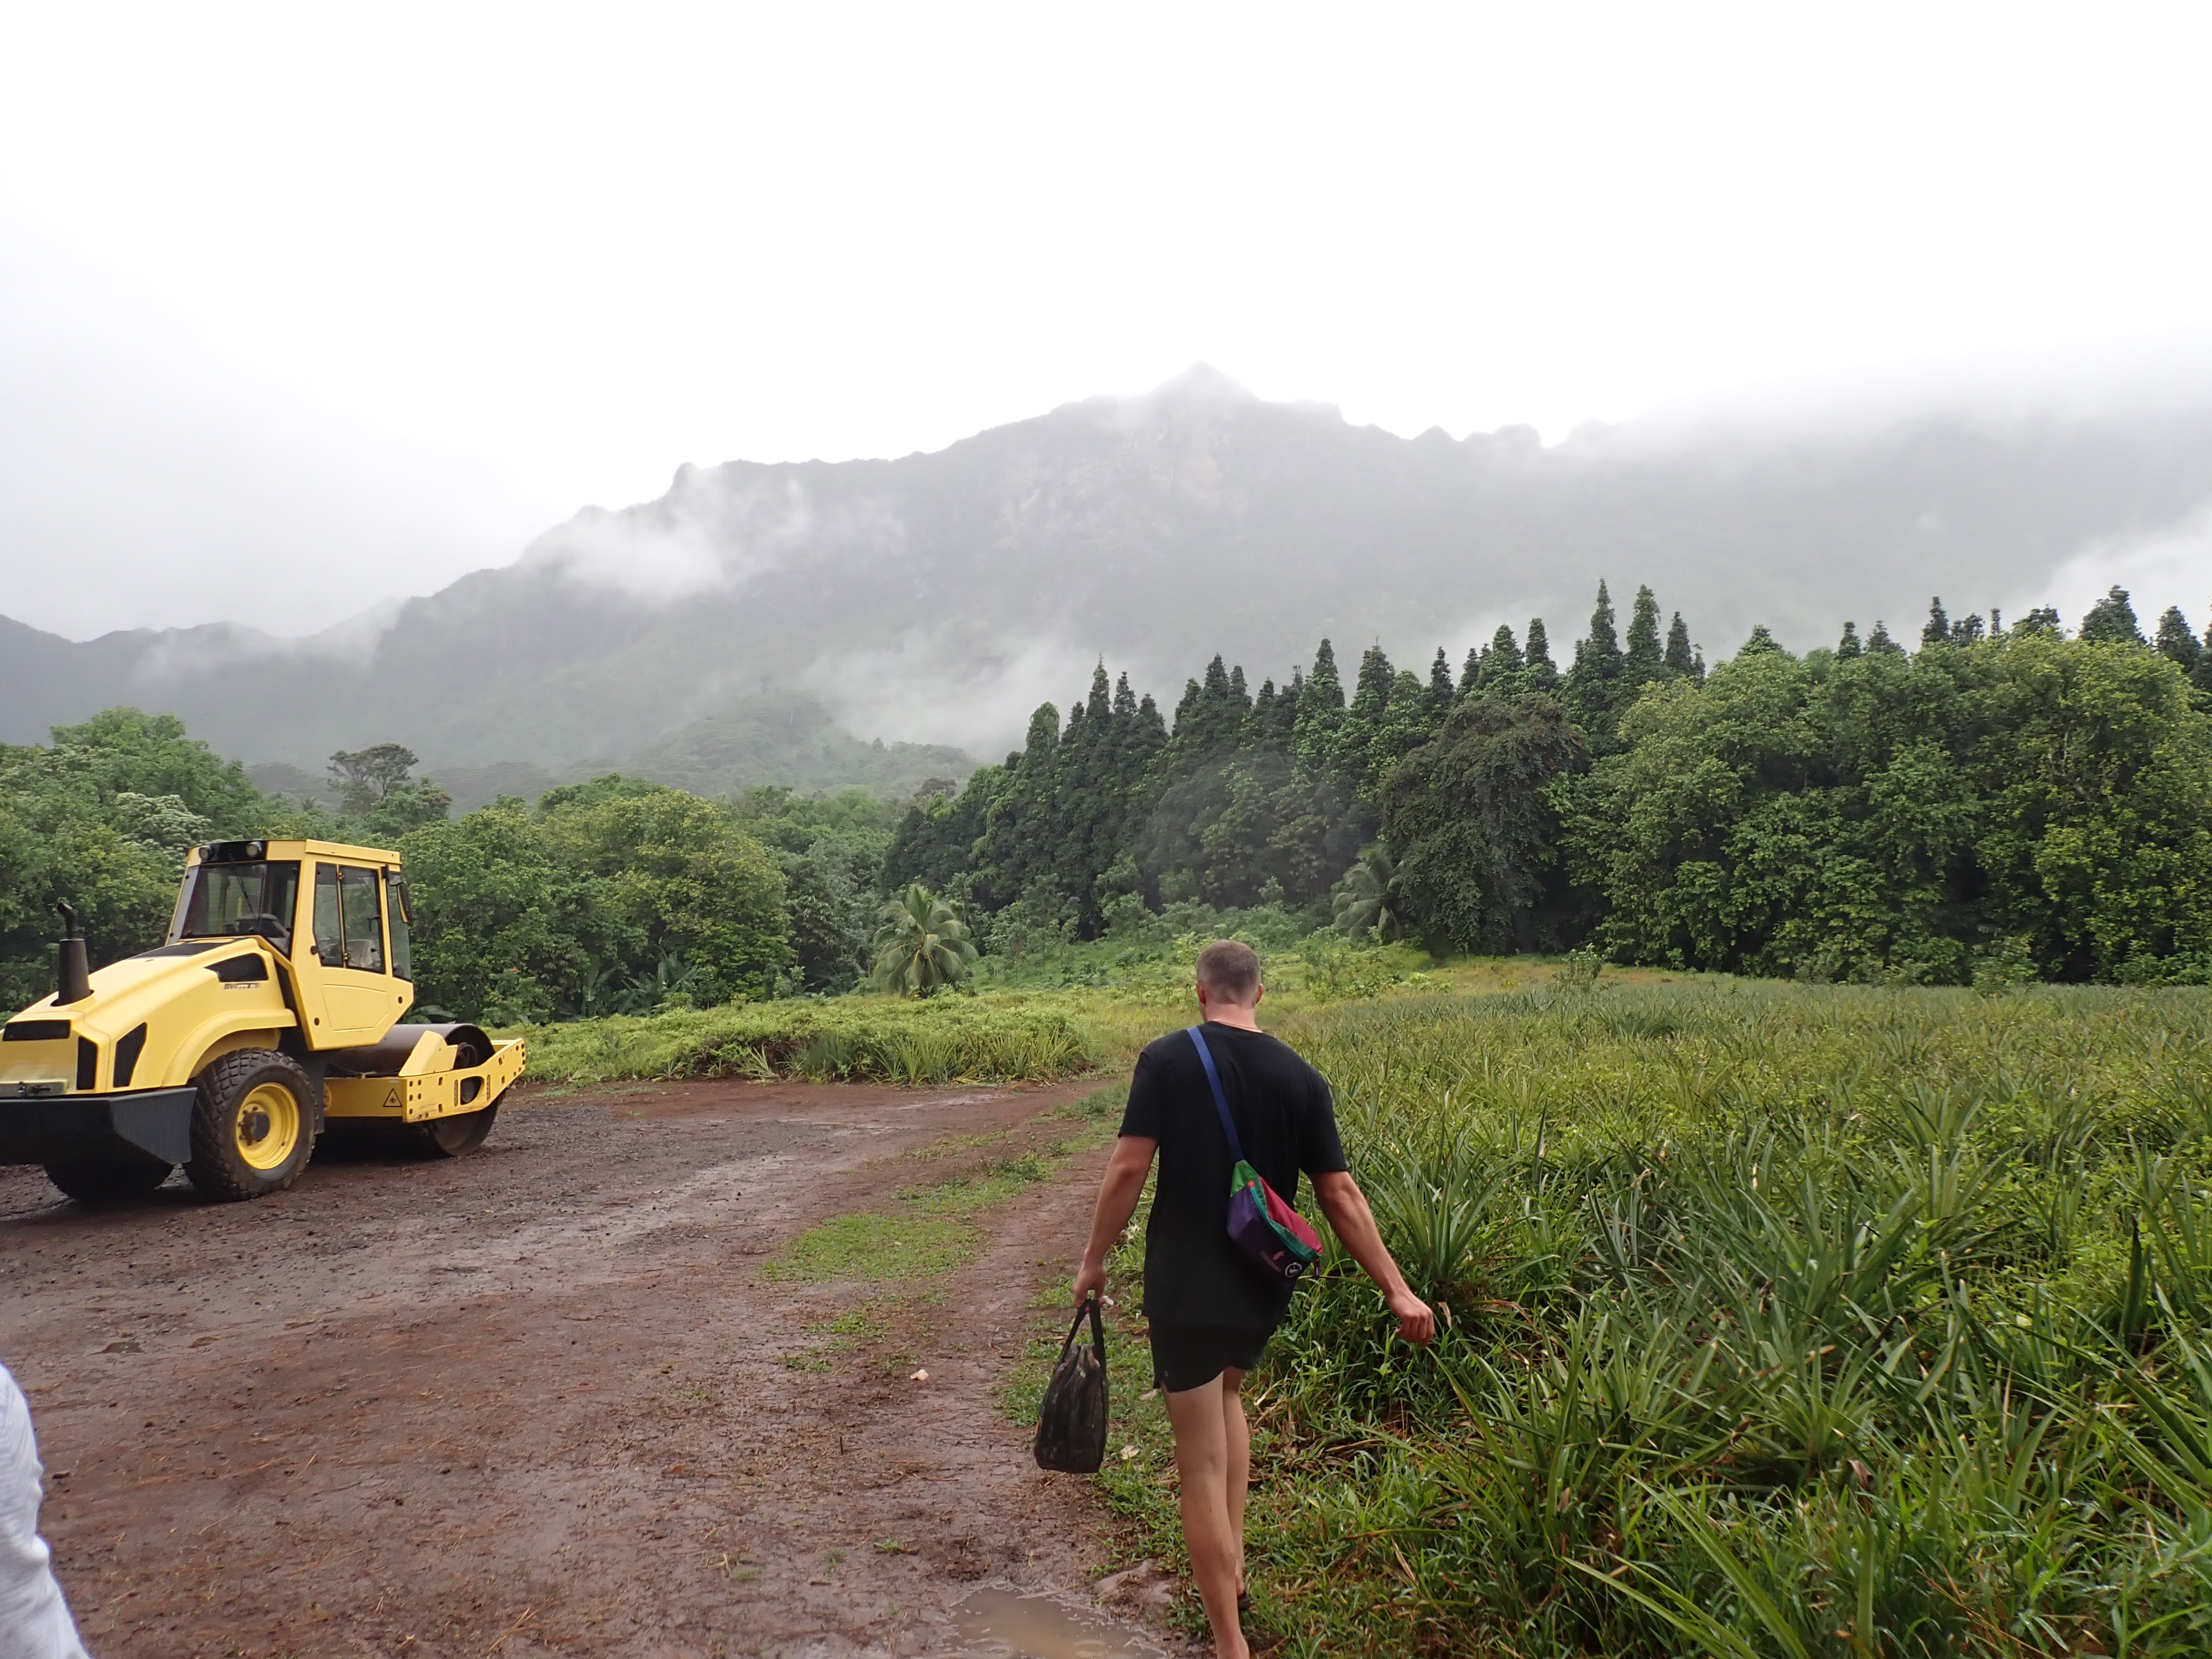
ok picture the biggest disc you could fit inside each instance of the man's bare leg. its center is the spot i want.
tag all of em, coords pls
(1238, 1438)
(1199, 1418)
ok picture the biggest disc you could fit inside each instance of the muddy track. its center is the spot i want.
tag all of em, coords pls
(542, 1401)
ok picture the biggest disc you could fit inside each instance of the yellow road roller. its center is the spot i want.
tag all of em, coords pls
(273, 1010)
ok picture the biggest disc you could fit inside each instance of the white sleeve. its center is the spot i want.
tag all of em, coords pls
(35, 1619)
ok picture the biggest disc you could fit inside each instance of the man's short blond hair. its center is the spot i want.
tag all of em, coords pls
(1230, 968)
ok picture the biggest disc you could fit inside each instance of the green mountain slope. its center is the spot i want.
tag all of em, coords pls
(773, 738)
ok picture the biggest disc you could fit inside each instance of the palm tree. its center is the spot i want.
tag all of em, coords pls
(922, 946)
(671, 984)
(1363, 896)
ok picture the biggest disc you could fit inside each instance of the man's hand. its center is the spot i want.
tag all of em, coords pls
(1417, 1319)
(1118, 1192)
(1346, 1206)
(1089, 1281)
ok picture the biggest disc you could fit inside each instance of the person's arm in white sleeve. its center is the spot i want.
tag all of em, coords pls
(35, 1619)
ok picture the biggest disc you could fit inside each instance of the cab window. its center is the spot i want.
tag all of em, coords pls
(348, 918)
(403, 965)
(330, 938)
(221, 900)
(361, 909)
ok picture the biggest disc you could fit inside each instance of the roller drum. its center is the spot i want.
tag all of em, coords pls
(384, 1059)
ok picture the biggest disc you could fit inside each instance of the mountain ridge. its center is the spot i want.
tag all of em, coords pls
(939, 596)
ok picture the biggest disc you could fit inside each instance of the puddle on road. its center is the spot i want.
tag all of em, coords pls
(1000, 1625)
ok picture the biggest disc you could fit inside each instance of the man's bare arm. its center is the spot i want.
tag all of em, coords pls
(1124, 1184)
(1346, 1206)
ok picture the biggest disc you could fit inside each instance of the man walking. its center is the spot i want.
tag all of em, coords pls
(1209, 1311)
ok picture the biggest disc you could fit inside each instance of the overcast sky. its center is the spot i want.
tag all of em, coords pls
(302, 307)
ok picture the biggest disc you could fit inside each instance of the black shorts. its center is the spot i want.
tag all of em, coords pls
(1192, 1356)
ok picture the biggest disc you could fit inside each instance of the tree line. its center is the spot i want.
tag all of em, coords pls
(2001, 802)
(615, 896)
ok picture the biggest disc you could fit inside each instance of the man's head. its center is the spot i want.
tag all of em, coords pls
(1228, 974)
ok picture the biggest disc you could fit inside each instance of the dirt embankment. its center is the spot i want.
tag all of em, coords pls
(542, 1401)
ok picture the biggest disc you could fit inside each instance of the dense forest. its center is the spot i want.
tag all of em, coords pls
(1995, 805)
(608, 897)
(2008, 802)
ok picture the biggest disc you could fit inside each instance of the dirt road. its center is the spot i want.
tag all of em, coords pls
(542, 1401)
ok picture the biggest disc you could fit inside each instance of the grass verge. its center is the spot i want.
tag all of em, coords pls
(930, 1230)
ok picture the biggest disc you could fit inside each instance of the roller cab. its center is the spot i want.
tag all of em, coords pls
(274, 1004)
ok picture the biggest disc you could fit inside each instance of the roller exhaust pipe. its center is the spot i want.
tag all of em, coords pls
(73, 974)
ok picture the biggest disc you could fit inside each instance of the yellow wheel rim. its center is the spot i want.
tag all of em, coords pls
(267, 1127)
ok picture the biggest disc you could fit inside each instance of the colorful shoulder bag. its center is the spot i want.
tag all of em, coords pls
(1273, 1236)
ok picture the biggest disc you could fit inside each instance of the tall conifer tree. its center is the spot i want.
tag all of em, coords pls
(1645, 660)
(1377, 679)
(1540, 673)
(1280, 731)
(1022, 832)
(1407, 722)
(1593, 689)
(1319, 714)
(1936, 630)
(1153, 728)
(1679, 659)
(1502, 663)
(2112, 620)
(1363, 720)
(1598, 654)
(1092, 806)
(2176, 640)
(1186, 713)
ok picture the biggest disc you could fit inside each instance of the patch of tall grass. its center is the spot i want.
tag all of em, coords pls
(1781, 1320)
(1045, 1031)
(848, 1039)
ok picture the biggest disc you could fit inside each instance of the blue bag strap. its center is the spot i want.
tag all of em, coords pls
(1221, 1100)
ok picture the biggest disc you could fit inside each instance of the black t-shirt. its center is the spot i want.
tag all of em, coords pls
(1193, 1274)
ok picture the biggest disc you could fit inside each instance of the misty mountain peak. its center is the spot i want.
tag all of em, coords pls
(939, 597)
(1203, 384)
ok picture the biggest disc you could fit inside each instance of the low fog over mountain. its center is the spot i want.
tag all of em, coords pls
(937, 598)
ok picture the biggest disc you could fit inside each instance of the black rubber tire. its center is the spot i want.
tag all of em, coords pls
(457, 1136)
(117, 1179)
(219, 1167)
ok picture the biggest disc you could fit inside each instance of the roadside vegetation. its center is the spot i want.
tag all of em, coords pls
(1782, 1319)
(851, 1039)
(1081, 1009)
(1999, 806)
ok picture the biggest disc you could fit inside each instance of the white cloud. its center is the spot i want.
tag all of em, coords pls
(939, 686)
(1479, 630)
(2170, 564)
(379, 301)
